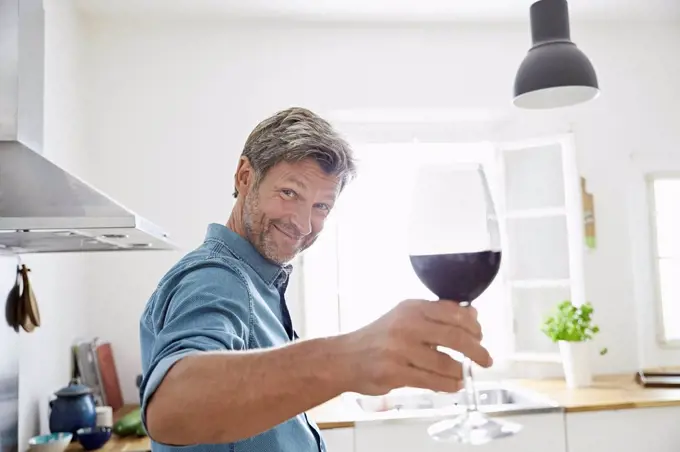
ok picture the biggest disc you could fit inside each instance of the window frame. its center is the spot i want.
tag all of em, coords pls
(574, 230)
(650, 178)
(457, 127)
(333, 313)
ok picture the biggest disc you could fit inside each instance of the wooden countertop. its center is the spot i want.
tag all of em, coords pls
(607, 393)
(613, 392)
(117, 443)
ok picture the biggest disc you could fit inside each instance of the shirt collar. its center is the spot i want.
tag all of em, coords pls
(243, 250)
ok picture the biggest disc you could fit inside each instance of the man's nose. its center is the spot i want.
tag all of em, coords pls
(302, 219)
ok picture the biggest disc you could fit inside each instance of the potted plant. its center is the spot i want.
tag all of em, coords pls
(572, 328)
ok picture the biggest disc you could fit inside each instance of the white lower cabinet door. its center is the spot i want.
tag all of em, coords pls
(541, 433)
(339, 439)
(635, 429)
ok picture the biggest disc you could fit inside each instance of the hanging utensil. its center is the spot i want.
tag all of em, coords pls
(12, 304)
(30, 318)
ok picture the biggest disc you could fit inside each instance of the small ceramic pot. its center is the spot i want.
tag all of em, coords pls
(576, 363)
(73, 408)
(92, 438)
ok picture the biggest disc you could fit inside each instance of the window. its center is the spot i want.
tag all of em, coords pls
(665, 200)
(359, 269)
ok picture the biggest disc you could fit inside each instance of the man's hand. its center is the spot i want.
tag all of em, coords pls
(399, 349)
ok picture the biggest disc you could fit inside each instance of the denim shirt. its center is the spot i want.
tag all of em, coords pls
(222, 296)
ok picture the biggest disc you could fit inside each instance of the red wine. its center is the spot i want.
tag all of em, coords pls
(459, 277)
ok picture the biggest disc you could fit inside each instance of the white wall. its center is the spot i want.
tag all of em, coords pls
(59, 280)
(9, 362)
(168, 106)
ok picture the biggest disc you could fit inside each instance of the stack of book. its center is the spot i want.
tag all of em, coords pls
(95, 367)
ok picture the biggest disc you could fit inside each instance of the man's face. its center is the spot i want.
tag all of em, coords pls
(284, 214)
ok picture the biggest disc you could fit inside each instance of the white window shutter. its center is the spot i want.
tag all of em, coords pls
(542, 225)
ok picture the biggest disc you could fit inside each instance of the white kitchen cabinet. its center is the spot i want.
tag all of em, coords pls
(339, 439)
(540, 433)
(637, 429)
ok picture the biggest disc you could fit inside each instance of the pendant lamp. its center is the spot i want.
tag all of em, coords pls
(554, 73)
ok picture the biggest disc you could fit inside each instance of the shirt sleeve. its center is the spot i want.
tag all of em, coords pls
(207, 310)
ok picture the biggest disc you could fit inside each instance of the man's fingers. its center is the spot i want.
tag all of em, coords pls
(452, 314)
(455, 338)
(419, 378)
(431, 360)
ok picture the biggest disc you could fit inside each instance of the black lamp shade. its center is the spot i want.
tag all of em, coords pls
(555, 73)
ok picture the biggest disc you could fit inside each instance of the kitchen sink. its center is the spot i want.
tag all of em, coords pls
(491, 398)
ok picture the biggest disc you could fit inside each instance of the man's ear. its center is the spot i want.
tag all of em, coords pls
(244, 177)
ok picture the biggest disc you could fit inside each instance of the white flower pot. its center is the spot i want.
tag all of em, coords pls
(576, 363)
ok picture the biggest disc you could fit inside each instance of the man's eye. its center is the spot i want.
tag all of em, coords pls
(324, 207)
(288, 193)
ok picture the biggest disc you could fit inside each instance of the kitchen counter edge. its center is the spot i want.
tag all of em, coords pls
(614, 392)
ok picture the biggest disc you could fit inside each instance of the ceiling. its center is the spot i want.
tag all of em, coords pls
(384, 10)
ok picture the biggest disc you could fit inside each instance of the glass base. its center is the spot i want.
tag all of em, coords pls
(474, 428)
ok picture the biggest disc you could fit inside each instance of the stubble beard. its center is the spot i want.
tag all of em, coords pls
(259, 232)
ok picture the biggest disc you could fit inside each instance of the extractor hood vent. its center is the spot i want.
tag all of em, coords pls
(43, 208)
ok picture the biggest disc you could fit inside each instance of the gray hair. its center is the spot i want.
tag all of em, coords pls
(294, 135)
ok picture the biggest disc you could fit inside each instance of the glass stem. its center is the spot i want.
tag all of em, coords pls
(470, 392)
(471, 400)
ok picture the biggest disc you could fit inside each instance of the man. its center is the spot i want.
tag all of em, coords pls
(222, 368)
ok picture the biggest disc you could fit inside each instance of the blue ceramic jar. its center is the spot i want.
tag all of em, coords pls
(74, 408)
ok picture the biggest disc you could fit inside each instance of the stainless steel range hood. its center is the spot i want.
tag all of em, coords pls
(43, 208)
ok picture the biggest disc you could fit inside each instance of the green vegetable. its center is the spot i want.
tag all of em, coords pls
(141, 431)
(571, 323)
(128, 424)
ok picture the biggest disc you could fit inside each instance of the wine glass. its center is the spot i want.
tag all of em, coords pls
(454, 248)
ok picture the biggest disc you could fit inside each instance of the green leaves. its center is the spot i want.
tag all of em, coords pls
(571, 323)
